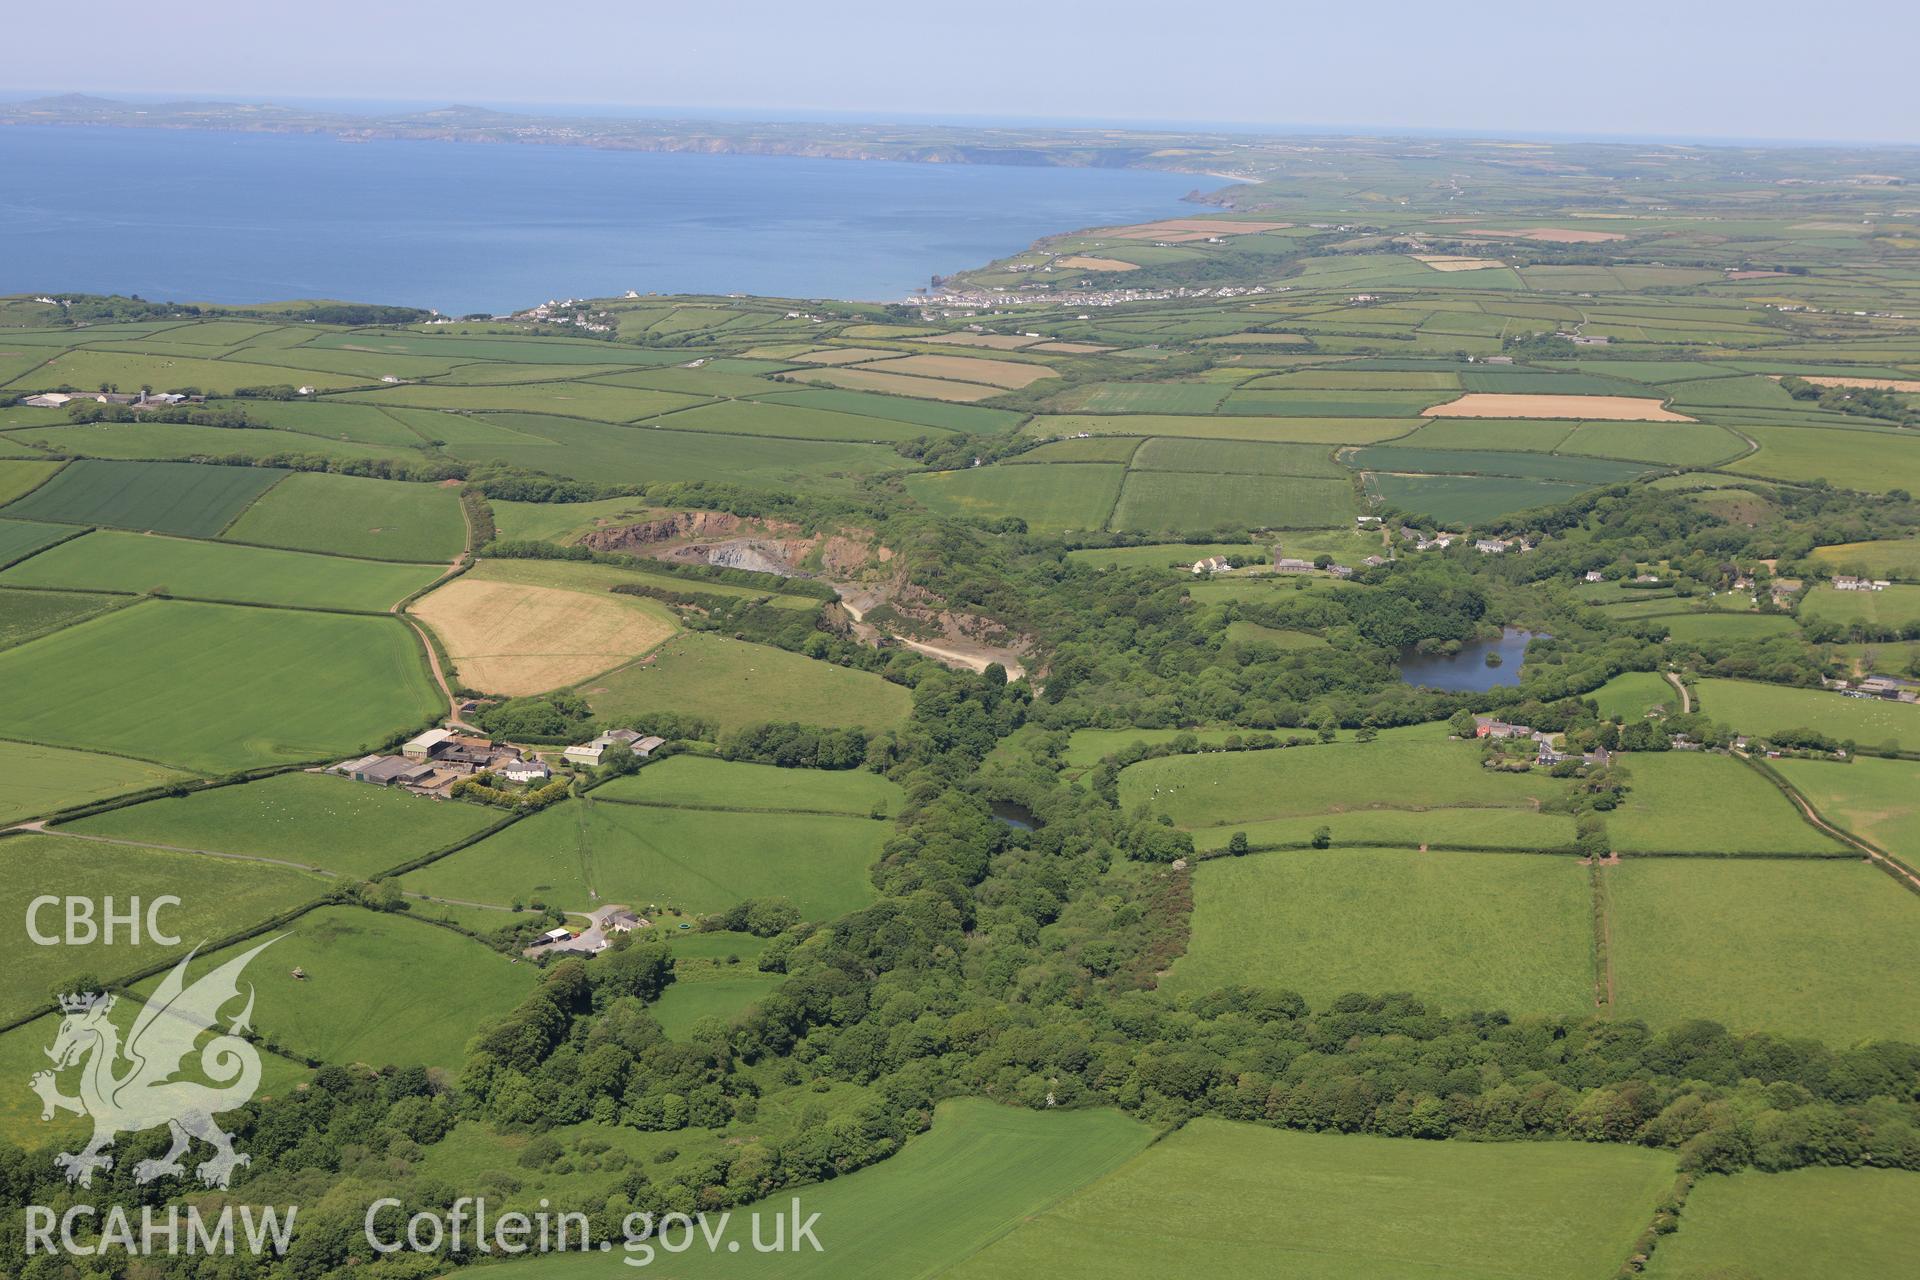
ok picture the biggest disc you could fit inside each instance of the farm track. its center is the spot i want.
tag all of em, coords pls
(426, 642)
(40, 828)
(1679, 687)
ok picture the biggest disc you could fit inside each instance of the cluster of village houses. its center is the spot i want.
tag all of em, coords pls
(432, 762)
(1420, 541)
(1847, 582)
(1545, 752)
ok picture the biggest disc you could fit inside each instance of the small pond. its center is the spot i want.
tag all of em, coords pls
(1468, 670)
(1017, 816)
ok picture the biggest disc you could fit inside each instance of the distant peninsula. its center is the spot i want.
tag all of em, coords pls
(1202, 154)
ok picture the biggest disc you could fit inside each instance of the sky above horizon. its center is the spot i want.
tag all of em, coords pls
(1759, 69)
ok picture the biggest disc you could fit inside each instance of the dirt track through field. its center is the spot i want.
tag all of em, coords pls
(41, 827)
(1873, 855)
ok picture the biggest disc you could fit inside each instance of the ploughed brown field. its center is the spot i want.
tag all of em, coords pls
(515, 639)
(1448, 262)
(1487, 404)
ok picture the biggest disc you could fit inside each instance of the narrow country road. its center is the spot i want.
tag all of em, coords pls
(1679, 687)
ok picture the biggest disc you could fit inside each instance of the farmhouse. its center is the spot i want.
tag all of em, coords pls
(1212, 564)
(1847, 582)
(1288, 564)
(1488, 727)
(527, 771)
(1491, 546)
(1593, 575)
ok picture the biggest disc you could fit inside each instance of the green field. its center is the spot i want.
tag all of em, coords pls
(1241, 1200)
(1426, 768)
(736, 683)
(1667, 444)
(1796, 947)
(1050, 498)
(1877, 800)
(25, 615)
(147, 564)
(1465, 930)
(1279, 638)
(1714, 625)
(1870, 461)
(1326, 431)
(1696, 802)
(1755, 708)
(1178, 556)
(1407, 457)
(1888, 558)
(164, 497)
(37, 780)
(1629, 697)
(718, 994)
(17, 476)
(562, 521)
(695, 860)
(1231, 457)
(1468, 499)
(353, 1005)
(1519, 829)
(700, 782)
(350, 828)
(212, 687)
(793, 422)
(926, 413)
(346, 515)
(1147, 397)
(1838, 1224)
(1173, 501)
(21, 538)
(23, 1052)
(129, 372)
(1087, 747)
(579, 575)
(1888, 610)
(573, 399)
(979, 1173)
(218, 897)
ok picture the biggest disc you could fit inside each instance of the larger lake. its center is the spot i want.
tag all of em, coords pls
(236, 217)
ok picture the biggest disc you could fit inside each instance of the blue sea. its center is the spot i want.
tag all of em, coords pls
(191, 216)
